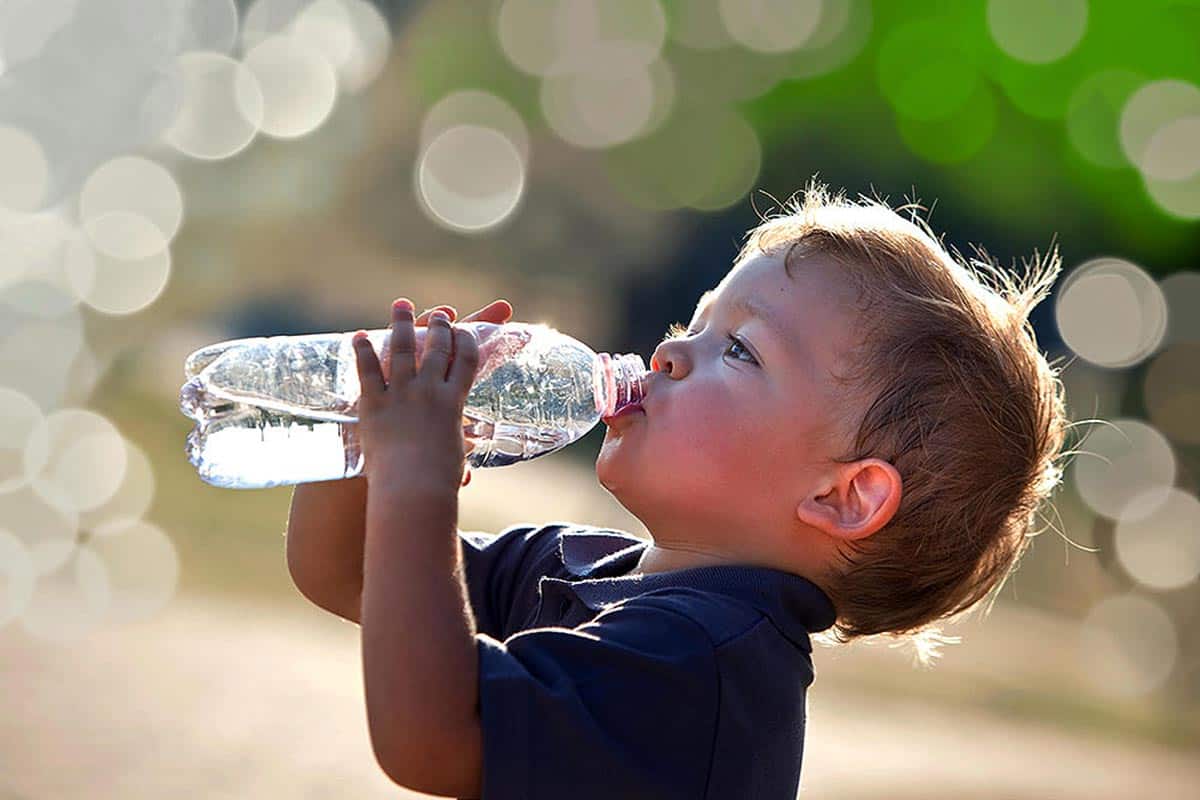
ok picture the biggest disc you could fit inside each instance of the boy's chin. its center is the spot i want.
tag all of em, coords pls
(613, 471)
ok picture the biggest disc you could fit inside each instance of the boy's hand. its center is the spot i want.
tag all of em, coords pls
(497, 311)
(411, 425)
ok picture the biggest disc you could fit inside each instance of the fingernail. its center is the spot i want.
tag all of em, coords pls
(442, 315)
(403, 305)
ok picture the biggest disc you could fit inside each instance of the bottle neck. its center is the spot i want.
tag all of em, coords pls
(618, 381)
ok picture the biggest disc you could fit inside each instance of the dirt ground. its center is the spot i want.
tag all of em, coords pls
(218, 698)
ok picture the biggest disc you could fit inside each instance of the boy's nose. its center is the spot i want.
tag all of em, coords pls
(664, 360)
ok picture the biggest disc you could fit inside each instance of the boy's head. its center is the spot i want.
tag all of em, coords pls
(882, 423)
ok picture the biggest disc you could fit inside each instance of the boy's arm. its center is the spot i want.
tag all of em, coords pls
(420, 666)
(328, 519)
(325, 534)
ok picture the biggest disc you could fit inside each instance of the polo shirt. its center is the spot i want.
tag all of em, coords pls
(595, 684)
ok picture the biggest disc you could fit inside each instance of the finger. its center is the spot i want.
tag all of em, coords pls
(439, 347)
(370, 377)
(423, 319)
(404, 348)
(499, 311)
(466, 361)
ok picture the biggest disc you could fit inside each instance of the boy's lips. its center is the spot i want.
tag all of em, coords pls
(629, 410)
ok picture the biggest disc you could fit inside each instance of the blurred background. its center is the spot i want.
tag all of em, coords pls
(183, 172)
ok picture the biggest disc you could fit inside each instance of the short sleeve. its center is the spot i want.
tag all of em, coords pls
(501, 571)
(623, 706)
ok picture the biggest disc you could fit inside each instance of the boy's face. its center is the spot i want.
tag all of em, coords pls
(735, 432)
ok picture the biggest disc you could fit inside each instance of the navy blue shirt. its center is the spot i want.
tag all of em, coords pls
(595, 685)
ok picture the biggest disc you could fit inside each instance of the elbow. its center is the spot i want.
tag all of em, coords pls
(431, 763)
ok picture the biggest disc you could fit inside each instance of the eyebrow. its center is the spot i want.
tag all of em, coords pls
(753, 308)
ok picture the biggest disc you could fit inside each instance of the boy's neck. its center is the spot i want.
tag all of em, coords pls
(666, 559)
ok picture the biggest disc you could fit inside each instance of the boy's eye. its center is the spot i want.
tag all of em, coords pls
(677, 331)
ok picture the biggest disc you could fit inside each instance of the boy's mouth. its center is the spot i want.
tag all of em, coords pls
(629, 410)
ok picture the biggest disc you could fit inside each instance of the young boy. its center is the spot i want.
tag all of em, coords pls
(854, 433)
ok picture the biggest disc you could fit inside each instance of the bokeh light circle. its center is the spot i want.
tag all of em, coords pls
(1158, 538)
(222, 108)
(771, 26)
(1094, 115)
(124, 235)
(596, 110)
(475, 107)
(1182, 291)
(659, 171)
(202, 25)
(136, 185)
(470, 178)
(116, 285)
(1172, 392)
(525, 29)
(140, 568)
(298, 86)
(697, 24)
(266, 18)
(599, 36)
(1178, 198)
(1037, 32)
(25, 169)
(1148, 111)
(1111, 312)
(19, 416)
(48, 533)
(1173, 152)
(1127, 645)
(1119, 461)
(841, 34)
(133, 497)
(76, 459)
(353, 35)
(41, 355)
(16, 577)
(69, 602)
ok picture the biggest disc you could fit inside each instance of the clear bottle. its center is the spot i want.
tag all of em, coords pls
(280, 410)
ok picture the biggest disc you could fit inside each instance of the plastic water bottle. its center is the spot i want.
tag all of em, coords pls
(281, 409)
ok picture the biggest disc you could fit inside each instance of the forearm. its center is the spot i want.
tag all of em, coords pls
(325, 535)
(418, 638)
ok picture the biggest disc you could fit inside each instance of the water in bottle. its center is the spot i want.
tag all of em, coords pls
(281, 410)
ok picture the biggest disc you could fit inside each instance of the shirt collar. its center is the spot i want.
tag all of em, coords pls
(597, 560)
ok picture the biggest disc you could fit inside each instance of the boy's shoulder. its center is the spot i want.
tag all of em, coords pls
(589, 566)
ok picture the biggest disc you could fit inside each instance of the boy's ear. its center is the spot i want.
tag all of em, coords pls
(859, 499)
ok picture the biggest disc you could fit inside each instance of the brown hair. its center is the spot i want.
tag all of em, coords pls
(958, 398)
